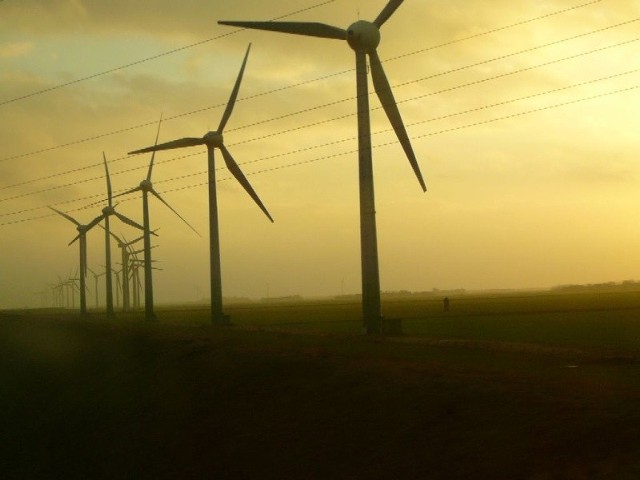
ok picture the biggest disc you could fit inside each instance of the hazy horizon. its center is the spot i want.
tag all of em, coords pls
(524, 136)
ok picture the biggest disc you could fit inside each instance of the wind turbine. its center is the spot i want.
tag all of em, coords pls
(214, 140)
(82, 237)
(363, 37)
(146, 187)
(107, 212)
(134, 266)
(125, 251)
(95, 277)
(118, 286)
(56, 294)
(71, 283)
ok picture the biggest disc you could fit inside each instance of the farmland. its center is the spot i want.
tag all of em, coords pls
(534, 385)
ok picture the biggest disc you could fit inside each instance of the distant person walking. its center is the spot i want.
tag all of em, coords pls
(445, 304)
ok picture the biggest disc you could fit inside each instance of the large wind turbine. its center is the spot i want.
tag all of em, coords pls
(363, 37)
(82, 237)
(107, 212)
(214, 140)
(146, 187)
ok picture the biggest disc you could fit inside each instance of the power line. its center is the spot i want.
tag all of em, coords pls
(581, 54)
(446, 90)
(324, 77)
(498, 29)
(484, 80)
(438, 132)
(526, 112)
(394, 142)
(154, 57)
(166, 119)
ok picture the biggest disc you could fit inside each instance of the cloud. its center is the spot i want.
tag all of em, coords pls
(295, 117)
(15, 49)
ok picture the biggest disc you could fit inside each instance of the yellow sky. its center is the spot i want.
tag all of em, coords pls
(526, 138)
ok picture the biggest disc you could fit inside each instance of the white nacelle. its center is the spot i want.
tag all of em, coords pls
(363, 36)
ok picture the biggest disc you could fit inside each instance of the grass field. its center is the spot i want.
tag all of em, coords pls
(501, 387)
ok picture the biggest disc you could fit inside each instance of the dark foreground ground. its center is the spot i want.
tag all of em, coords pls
(132, 401)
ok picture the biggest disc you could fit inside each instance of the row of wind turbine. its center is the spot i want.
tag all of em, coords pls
(146, 187)
(213, 140)
(363, 37)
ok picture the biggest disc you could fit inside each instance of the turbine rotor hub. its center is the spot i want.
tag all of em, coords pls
(363, 36)
(146, 186)
(213, 139)
(108, 211)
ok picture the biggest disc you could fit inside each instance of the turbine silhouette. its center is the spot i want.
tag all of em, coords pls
(363, 37)
(107, 212)
(125, 252)
(82, 237)
(95, 278)
(146, 187)
(214, 140)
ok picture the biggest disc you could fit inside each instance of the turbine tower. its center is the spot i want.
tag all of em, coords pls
(363, 37)
(125, 250)
(146, 187)
(95, 277)
(82, 237)
(107, 212)
(214, 140)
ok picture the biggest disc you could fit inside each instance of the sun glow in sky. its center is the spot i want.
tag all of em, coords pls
(526, 137)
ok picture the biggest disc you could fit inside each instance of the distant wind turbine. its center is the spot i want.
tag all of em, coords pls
(134, 265)
(95, 277)
(57, 294)
(146, 187)
(107, 212)
(118, 285)
(82, 237)
(125, 251)
(214, 140)
(72, 284)
(363, 37)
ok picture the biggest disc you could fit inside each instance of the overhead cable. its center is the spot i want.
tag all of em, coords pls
(324, 77)
(154, 57)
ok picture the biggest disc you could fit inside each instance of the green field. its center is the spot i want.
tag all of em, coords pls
(522, 386)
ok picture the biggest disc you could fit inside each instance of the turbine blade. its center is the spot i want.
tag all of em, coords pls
(128, 244)
(68, 217)
(128, 192)
(73, 241)
(153, 155)
(383, 90)
(299, 28)
(387, 11)
(234, 94)
(118, 239)
(109, 191)
(157, 195)
(128, 221)
(235, 170)
(181, 143)
(94, 222)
